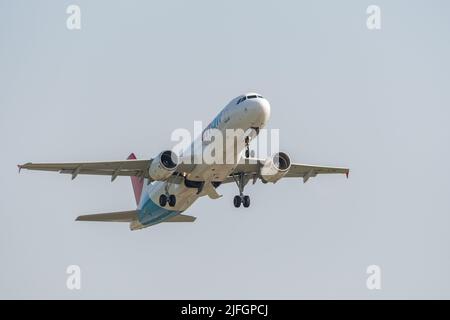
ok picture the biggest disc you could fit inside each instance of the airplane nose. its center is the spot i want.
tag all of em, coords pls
(260, 109)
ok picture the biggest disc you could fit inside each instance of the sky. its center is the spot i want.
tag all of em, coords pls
(376, 101)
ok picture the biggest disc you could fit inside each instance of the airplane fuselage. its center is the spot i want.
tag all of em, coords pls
(248, 113)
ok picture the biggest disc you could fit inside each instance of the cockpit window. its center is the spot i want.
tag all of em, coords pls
(253, 96)
(241, 100)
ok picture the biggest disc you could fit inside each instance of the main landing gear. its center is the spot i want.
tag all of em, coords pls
(167, 199)
(241, 199)
(245, 200)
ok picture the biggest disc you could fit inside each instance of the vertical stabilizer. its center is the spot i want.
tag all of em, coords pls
(136, 182)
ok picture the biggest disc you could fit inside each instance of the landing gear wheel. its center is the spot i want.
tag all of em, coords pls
(246, 201)
(162, 200)
(172, 200)
(237, 201)
(241, 180)
(247, 153)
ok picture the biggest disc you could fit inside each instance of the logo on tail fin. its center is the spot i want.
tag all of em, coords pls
(137, 183)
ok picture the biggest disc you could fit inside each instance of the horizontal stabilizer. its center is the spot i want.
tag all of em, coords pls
(181, 218)
(122, 216)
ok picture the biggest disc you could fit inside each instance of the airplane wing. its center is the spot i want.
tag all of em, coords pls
(307, 171)
(139, 168)
(114, 169)
(131, 167)
(251, 170)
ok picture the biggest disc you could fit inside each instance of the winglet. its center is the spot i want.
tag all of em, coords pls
(24, 166)
(346, 174)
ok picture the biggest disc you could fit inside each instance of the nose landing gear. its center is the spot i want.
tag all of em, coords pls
(241, 198)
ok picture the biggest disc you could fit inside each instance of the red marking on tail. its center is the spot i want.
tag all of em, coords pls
(136, 182)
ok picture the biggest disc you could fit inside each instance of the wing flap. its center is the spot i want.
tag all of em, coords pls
(99, 172)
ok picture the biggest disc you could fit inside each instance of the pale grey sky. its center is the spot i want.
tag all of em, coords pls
(376, 101)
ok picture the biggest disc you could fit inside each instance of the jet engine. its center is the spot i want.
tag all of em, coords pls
(275, 167)
(163, 166)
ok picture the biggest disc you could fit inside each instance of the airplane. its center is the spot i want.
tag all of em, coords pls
(167, 185)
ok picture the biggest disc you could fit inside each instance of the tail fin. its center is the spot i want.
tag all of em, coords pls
(136, 182)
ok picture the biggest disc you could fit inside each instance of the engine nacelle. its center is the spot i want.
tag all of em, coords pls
(163, 166)
(275, 167)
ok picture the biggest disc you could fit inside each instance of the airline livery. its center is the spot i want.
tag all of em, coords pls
(167, 185)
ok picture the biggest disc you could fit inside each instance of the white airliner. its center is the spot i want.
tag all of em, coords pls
(167, 185)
